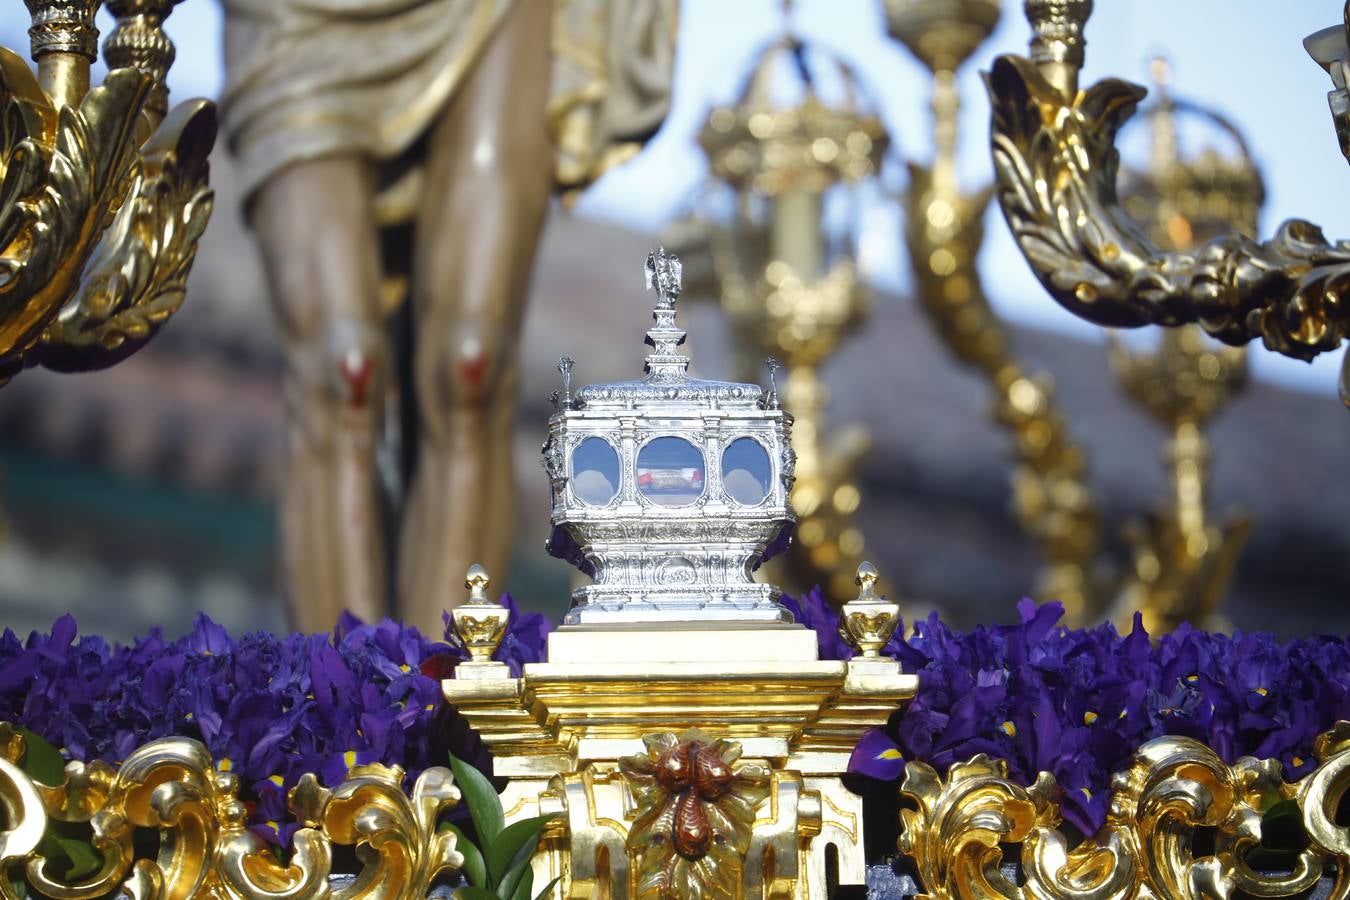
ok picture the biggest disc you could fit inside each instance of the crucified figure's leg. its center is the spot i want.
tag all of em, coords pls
(490, 172)
(315, 225)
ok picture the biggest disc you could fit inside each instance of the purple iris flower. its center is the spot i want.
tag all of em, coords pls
(877, 756)
(1078, 703)
(816, 613)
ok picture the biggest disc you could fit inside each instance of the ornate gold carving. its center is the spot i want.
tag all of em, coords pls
(964, 826)
(868, 622)
(696, 809)
(74, 161)
(63, 175)
(139, 42)
(172, 787)
(480, 623)
(562, 730)
(1056, 162)
(137, 276)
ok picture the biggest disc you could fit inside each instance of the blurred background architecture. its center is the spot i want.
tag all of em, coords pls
(145, 495)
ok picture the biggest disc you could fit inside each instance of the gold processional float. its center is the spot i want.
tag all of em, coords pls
(685, 738)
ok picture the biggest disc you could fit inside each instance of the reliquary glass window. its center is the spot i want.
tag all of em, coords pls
(595, 472)
(746, 471)
(670, 472)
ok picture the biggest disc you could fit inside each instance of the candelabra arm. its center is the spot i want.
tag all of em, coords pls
(137, 276)
(102, 197)
(1055, 163)
(943, 233)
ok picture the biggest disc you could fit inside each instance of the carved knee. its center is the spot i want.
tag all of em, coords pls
(465, 370)
(342, 366)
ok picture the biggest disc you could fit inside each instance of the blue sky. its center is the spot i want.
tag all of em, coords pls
(1241, 57)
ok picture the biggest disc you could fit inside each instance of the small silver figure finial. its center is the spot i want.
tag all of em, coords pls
(565, 364)
(664, 274)
(476, 579)
(665, 336)
(773, 366)
(555, 397)
(866, 580)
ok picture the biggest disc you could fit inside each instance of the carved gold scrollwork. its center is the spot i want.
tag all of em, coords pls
(960, 826)
(205, 850)
(62, 174)
(1056, 162)
(137, 276)
(102, 198)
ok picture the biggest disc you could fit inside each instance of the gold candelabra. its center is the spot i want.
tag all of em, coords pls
(1182, 561)
(943, 232)
(781, 161)
(786, 294)
(103, 190)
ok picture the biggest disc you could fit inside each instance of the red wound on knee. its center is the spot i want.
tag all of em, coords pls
(357, 373)
(473, 370)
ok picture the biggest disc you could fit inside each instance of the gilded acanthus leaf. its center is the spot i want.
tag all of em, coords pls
(137, 276)
(696, 809)
(65, 172)
(1056, 164)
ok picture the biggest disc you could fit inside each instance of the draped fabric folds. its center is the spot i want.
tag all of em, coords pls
(309, 78)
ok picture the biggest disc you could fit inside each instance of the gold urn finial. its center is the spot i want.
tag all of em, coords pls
(869, 621)
(480, 623)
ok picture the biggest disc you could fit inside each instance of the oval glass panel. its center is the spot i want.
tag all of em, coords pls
(746, 471)
(670, 472)
(595, 472)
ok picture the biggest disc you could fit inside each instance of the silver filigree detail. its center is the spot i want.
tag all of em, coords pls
(653, 562)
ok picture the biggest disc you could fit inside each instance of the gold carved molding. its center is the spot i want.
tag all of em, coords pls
(963, 828)
(171, 787)
(765, 830)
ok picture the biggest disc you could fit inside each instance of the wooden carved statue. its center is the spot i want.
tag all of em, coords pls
(436, 129)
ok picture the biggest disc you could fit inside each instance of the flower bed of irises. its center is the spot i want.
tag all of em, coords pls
(1075, 703)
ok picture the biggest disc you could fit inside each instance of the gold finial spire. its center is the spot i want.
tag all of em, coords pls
(480, 623)
(869, 621)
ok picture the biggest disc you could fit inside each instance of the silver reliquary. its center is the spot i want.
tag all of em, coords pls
(668, 490)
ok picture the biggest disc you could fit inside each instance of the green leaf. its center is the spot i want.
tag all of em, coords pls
(517, 884)
(42, 761)
(548, 887)
(474, 893)
(516, 844)
(485, 807)
(18, 886)
(474, 869)
(84, 859)
(1282, 827)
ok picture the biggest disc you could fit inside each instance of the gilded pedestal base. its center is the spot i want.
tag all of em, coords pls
(572, 735)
